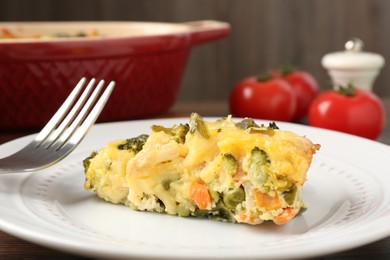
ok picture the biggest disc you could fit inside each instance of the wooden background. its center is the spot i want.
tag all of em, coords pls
(265, 33)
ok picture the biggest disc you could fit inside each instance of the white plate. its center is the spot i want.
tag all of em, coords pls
(347, 192)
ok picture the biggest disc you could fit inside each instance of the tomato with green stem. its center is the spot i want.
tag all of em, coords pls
(263, 97)
(350, 110)
(304, 86)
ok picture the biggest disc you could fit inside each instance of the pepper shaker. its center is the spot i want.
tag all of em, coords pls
(353, 66)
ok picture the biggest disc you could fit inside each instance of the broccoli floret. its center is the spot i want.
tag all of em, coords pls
(264, 129)
(260, 156)
(222, 213)
(198, 125)
(229, 163)
(87, 161)
(272, 125)
(233, 197)
(246, 123)
(178, 133)
(249, 123)
(259, 159)
(134, 144)
(290, 195)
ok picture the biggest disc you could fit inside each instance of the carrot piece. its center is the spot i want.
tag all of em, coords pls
(245, 218)
(266, 201)
(285, 216)
(200, 194)
(239, 174)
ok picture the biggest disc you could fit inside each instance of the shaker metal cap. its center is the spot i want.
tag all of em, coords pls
(353, 58)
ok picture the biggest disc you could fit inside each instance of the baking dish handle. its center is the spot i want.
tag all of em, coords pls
(207, 30)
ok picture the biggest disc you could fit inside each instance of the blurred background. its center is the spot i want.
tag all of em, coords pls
(265, 34)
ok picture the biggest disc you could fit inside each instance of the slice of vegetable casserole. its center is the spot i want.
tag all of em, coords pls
(237, 172)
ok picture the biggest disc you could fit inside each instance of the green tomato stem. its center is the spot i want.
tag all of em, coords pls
(265, 76)
(287, 69)
(268, 75)
(348, 90)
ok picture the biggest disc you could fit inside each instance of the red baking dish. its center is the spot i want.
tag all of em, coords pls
(145, 59)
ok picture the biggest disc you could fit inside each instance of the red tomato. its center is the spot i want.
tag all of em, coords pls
(272, 99)
(305, 88)
(361, 113)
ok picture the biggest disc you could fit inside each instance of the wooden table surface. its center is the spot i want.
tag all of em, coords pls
(14, 248)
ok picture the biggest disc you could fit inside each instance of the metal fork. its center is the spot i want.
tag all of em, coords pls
(63, 132)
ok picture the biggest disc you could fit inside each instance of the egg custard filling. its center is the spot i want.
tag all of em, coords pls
(224, 170)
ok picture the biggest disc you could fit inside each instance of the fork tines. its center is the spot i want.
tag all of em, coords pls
(74, 118)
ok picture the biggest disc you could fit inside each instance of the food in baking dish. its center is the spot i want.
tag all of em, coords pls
(6, 33)
(225, 170)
